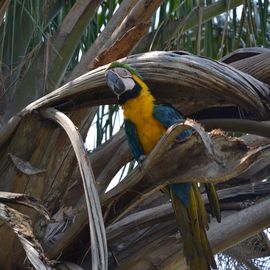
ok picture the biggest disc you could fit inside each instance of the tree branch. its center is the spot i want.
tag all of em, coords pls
(169, 163)
(236, 227)
(240, 125)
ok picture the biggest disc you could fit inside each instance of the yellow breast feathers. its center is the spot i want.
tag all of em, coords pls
(139, 111)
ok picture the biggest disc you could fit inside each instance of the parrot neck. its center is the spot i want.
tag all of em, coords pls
(135, 92)
(141, 106)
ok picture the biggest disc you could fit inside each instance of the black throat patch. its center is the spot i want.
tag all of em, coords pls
(129, 94)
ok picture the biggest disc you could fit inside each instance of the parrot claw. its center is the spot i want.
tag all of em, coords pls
(140, 162)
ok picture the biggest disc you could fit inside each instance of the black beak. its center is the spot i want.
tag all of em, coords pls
(115, 83)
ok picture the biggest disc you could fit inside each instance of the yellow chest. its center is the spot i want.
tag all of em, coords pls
(149, 133)
(140, 112)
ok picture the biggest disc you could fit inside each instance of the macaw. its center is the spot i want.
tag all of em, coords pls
(145, 123)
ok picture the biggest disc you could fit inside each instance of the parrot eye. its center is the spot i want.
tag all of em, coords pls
(123, 72)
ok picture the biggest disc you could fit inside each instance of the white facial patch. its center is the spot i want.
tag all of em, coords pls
(129, 83)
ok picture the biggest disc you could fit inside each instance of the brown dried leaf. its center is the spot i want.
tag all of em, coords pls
(62, 220)
(25, 166)
(17, 198)
(21, 225)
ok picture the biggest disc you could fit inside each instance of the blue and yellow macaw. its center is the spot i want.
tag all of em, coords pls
(145, 123)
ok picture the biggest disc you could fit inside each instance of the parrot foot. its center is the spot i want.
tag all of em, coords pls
(140, 162)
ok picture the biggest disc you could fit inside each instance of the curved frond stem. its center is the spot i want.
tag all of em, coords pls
(240, 125)
(97, 229)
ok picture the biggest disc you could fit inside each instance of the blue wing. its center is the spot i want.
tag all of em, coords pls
(168, 116)
(133, 140)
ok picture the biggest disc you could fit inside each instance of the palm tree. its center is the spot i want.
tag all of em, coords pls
(53, 59)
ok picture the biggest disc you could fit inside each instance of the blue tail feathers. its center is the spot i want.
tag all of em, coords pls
(182, 191)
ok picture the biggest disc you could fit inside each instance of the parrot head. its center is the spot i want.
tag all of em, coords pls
(123, 80)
